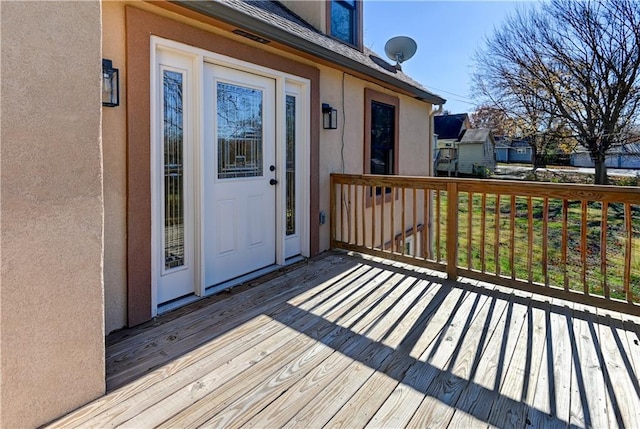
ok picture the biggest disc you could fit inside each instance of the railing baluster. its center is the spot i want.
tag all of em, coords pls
(426, 228)
(404, 205)
(341, 216)
(364, 215)
(627, 253)
(332, 208)
(604, 225)
(374, 190)
(583, 247)
(512, 239)
(496, 247)
(545, 241)
(530, 241)
(438, 225)
(415, 223)
(483, 218)
(469, 227)
(384, 197)
(565, 219)
(393, 224)
(349, 213)
(452, 230)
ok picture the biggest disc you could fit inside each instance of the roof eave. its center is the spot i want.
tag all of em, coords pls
(229, 15)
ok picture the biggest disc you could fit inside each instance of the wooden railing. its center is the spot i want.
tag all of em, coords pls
(576, 242)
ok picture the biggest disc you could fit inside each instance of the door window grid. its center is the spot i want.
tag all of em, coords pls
(240, 131)
(173, 142)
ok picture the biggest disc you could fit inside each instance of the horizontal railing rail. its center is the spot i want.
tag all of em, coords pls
(576, 242)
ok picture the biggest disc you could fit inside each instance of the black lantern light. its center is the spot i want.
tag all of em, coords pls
(110, 84)
(329, 117)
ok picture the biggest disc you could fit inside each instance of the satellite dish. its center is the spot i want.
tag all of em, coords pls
(400, 49)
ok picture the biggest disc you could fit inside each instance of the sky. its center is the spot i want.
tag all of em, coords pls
(447, 33)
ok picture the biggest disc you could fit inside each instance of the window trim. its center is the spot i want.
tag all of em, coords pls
(371, 95)
(358, 28)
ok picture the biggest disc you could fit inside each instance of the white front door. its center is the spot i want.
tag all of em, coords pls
(238, 171)
(229, 170)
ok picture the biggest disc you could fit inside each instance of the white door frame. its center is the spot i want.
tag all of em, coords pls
(197, 57)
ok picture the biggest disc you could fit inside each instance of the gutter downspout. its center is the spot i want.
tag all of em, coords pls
(433, 171)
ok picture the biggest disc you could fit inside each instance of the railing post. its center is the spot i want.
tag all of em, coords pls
(452, 230)
(332, 211)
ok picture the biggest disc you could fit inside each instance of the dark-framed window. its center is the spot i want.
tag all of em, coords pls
(383, 128)
(344, 21)
(381, 132)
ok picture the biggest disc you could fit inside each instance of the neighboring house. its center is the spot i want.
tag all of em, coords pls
(446, 158)
(503, 147)
(521, 152)
(462, 149)
(624, 156)
(214, 165)
(516, 151)
(476, 152)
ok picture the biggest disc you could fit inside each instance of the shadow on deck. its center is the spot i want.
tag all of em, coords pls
(353, 341)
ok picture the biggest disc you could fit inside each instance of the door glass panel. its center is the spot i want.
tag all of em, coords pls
(173, 171)
(239, 131)
(291, 164)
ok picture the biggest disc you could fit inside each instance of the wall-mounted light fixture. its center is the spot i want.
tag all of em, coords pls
(329, 117)
(110, 84)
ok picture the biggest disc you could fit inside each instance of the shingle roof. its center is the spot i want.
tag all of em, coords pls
(278, 17)
(449, 126)
(475, 135)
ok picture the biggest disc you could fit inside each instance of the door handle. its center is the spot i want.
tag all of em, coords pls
(273, 182)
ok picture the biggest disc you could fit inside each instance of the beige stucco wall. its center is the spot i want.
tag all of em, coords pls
(51, 302)
(414, 134)
(114, 146)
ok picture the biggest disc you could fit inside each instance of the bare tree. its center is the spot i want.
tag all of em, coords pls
(567, 65)
(493, 118)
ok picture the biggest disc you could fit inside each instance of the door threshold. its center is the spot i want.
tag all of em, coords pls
(212, 290)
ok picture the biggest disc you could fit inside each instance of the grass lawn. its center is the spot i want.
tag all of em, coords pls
(616, 240)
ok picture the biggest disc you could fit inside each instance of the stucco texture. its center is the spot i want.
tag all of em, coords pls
(345, 145)
(51, 302)
(114, 146)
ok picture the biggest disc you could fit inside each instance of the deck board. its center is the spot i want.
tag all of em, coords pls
(282, 410)
(509, 409)
(437, 408)
(622, 387)
(208, 322)
(354, 341)
(477, 396)
(588, 393)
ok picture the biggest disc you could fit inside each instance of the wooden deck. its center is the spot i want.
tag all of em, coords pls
(352, 341)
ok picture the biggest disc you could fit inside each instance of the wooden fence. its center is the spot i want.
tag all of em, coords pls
(576, 242)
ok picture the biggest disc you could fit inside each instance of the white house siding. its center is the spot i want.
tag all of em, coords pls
(470, 154)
